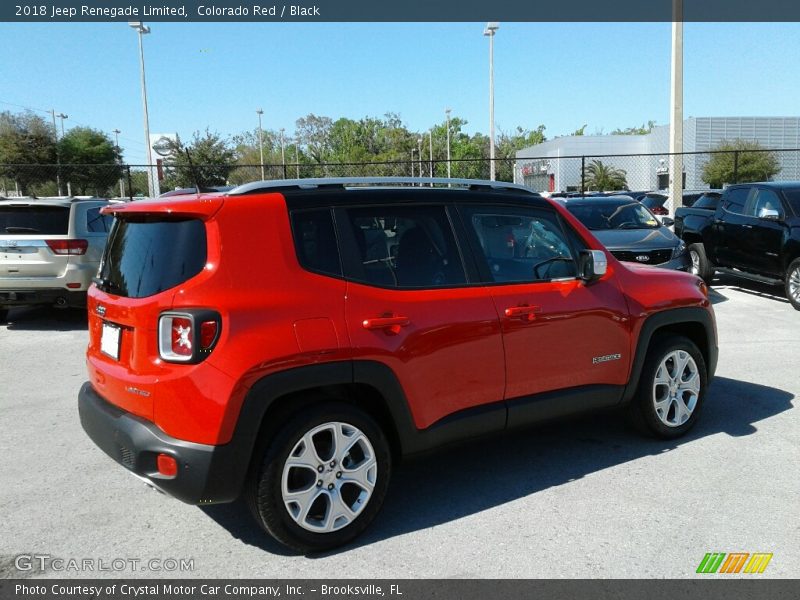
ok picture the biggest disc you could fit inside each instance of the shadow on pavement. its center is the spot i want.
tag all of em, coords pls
(747, 286)
(474, 477)
(39, 318)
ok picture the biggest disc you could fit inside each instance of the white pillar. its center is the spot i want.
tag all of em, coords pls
(676, 110)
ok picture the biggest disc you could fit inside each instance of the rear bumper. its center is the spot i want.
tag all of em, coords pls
(206, 474)
(49, 296)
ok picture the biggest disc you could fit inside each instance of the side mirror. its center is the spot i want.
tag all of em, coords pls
(592, 265)
(667, 222)
(769, 214)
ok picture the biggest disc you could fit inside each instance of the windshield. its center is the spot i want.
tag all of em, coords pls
(602, 215)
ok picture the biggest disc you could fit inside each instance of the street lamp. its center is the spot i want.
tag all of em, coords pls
(283, 155)
(489, 32)
(297, 156)
(152, 184)
(62, 116)
(419, 145)
(259, 112)
(116, 133)
(447, 117)
(430, 152)
(412, 161)
(58, 154)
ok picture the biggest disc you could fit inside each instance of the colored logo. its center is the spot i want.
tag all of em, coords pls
(734, 562)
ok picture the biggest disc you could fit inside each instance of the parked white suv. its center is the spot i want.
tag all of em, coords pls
(50, 249)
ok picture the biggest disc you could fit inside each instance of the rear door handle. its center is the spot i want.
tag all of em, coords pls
(392, 324)
(526, 313)
(746, 226)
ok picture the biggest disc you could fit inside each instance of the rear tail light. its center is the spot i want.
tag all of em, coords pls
(71, 247)
(659, 210)
(187, 336)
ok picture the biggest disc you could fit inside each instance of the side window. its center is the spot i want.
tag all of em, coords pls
(97, 223)
(523, 245)
(315, 241)
(764, 200)
(735, 200)
(405, 247)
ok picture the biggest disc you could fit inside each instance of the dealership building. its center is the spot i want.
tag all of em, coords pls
(555, 165)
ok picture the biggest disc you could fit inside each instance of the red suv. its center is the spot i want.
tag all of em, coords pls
(291, 341)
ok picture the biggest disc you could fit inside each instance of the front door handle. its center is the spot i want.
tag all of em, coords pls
(526, 313)
(746, 226)
(391, 324)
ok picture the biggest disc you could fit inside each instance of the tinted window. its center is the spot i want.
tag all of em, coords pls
(764, 200)
(315, 241)
(522, 245)
(735, 200)
(654, 200)
(97, 223)
(607, 215)
(793, 196)
(145, 258)
(405, 247)
(32, 220)
(710, 201)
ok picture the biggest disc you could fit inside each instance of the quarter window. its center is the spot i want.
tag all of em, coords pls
(97, 223)
(315, 241)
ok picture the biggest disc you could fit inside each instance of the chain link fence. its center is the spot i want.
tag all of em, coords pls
(550, 174)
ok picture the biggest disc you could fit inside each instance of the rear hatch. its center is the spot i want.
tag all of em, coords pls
(147, 258)
(33, 242)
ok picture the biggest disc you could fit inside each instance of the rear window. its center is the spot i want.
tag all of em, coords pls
(33, 220)
(145, 258)
(652, 201)
(710, 201)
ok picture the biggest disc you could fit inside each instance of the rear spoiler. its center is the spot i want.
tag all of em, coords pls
(195, 207)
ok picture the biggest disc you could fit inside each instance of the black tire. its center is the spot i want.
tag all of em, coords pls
(3, 315)
(642, 410)
(793, 281)
(264, 492)
(705, 268)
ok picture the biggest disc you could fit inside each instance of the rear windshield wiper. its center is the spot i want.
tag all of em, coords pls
(21, 230)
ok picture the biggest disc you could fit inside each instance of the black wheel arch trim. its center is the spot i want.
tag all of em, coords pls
(693, 315)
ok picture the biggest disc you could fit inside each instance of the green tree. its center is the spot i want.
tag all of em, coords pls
(314, 134)
(209, 161)
(90, 161)
(754, 163)
(580, 130)
(27, 144)
(601, 177)
(643, 130)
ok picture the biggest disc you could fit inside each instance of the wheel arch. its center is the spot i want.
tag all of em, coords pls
(695, 323)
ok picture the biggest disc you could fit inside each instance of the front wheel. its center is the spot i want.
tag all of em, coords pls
(323, 478)
(671, 388)
(701, 265)
(793, 283)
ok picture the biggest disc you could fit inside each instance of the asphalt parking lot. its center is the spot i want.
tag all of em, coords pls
(585, 498)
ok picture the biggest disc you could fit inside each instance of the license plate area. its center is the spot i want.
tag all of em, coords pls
(110, 339)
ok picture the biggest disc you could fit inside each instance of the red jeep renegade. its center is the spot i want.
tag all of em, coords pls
(290, 341)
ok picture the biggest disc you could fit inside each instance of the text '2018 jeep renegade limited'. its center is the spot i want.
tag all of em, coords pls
(290, 341)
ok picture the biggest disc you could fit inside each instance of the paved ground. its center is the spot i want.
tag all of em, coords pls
(586, 498)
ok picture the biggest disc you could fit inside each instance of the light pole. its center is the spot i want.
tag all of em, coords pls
(430, 152)
(297, 156)
(419, 145)
(490, 30)
(152, 184)
(116, 133)
(58, 154)
(259, 112)
(447, 118)
(412, 161)
(676, 110)
(283, 154)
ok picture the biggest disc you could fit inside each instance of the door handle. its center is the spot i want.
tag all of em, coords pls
(392, 325)
(526, 313)
(746, 226)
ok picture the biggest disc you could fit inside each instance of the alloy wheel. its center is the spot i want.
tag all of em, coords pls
(794, 285)
(695, 269)
(328, 477)
(676, 388)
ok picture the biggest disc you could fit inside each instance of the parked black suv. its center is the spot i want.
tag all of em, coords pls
(754, 232)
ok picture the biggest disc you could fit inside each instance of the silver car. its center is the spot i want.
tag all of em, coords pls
(50, 249)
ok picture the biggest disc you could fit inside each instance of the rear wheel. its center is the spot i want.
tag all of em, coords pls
(701, 265)
(793, 283)
(323, 478)
(671, 388)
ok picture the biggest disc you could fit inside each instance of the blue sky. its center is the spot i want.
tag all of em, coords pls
(561, 75)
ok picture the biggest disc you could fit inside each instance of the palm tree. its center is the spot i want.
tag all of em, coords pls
(600, 177)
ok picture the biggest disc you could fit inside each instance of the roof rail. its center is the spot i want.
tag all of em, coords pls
(258, 187)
